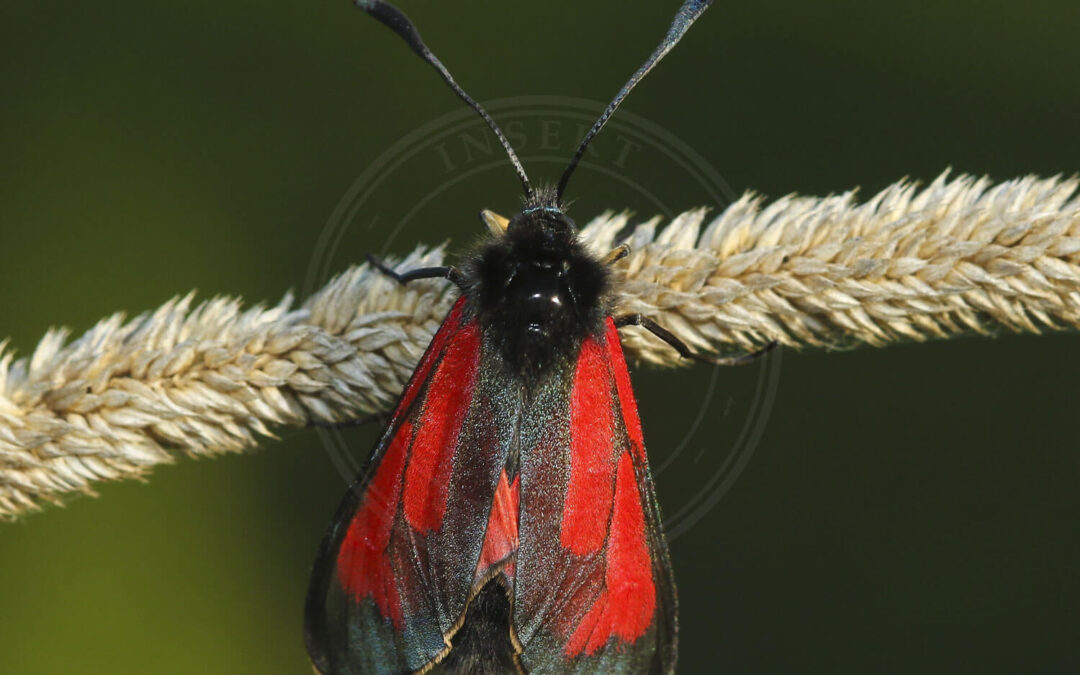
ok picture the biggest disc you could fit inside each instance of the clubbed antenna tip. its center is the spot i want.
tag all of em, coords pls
(684, 18)
(394, 19)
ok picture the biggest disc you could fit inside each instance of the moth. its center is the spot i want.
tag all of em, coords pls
(507, 521)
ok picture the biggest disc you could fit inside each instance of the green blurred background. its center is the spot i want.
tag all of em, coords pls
(908, 510)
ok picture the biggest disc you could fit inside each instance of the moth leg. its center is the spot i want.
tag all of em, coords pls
(451, 273)
(617, 254)
(382, 418)
(680, 346)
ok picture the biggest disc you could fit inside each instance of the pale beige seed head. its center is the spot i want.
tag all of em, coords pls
(958, 256)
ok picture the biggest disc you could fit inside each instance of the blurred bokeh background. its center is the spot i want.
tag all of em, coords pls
(912, 509)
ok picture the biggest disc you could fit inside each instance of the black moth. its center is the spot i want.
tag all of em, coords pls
(507, 520)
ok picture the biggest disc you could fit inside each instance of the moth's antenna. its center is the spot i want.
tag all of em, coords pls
(394, 19)
(687, 14)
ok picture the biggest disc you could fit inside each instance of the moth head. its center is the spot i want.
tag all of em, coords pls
(541, 230)
(537, 228)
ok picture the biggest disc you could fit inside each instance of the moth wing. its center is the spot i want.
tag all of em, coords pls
(594, 591)
(396, 568)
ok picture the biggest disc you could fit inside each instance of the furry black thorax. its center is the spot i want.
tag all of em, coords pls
(537, 291)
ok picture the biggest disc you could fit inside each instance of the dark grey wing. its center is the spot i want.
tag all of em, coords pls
(593, 590)
(396, 568)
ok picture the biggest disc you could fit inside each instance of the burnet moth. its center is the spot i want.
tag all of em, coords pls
(507, 520)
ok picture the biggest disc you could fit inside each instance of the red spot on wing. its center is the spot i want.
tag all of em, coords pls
(449, 326)
(449, 394)
(625, 608)
(589, 491)
(501, 538)
(626, 393)
(363, 564)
